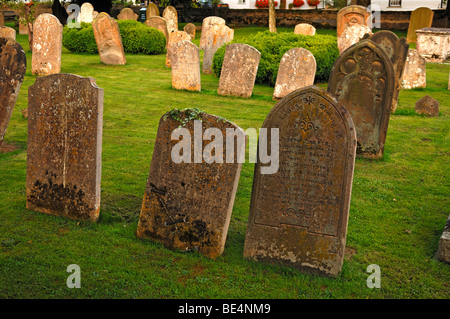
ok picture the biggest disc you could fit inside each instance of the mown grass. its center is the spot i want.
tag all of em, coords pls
(399, 204)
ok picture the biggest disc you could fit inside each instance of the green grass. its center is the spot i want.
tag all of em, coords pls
(398, 210)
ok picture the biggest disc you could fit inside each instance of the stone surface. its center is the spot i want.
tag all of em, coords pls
(47, 45)
(188, 206)
(159, 24)
(443, 252)
(420, 18)
(207, 24)
(351, 15)
(171, 16)
(7, 32)
(190, 29)
(127, 14)
(65, 116)
(175, 37)
(363, 80)
(152, 10)
(427, 106)
(351, 35)
(86, 13)
(23, 28)
(108, 39)
(185, 61)
(13, 64)
(397, 51)
(433, 44)
(415, 71)
(305, 29)
(239, 69)
(297, 69)
(298, 216)
(217, 36)
(2, 19)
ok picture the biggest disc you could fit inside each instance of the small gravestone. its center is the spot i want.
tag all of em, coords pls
(217, 36)
(185, 60)
(363, 80)
(207, 24)
(415, 71)
(152, 10)
(190, 29)
(86, 13)
(352, 15)
(420, 18)
(187, 204)
(305, 29)
(427, 106)
(7, 32)
(159, 24)
(175, 37)
(443, 252)
(351, 35)
(297, 69)
(47, 45)
(108, 39)
(65, 119)
(13, 64)
(23, 26)
(298, 215)
(171, 16)
(127, 14)
(240, 65)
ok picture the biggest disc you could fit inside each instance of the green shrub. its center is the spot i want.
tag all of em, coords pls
(272, 47)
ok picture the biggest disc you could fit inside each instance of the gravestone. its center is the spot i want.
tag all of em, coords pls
(420, 18)
(427, 106)
(188, 206)
(127, 14)
(175, 37)
(65, 119)
(351, 35)
(433, 44)
(7, 32)
(363, 80)
(352, 15)
(152, 10)
(86, 13)
(185, 60)
(217, 36)
(397, 51)
(47, 45)
(415, 71)
(23, 26)
(298, 215)
(239, 68)
(60, 12)
(2, 18)
(207, 24)
(159, 24)
(305, 29)
(108, 39)
(297, 69)
(13, 64)
(171, 16)
(190, 29)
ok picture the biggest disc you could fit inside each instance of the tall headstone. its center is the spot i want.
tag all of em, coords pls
(297, 69)
(185, 60)
(108, 39)
(305, 29)
(415, 71)
(187, 205)
(217, 36)
(351, 35)
(65, 119)
(190, 29)
(159, 24)
(298, 215)
(239, 69)
(152, 10)
(13, 64)
(351, 15)
(86, 13)
(127, 14)
(363, 80)
(47, 45)
(420, 18)
(7, 32)
(207, 24)
(171, 16)
(175, 37)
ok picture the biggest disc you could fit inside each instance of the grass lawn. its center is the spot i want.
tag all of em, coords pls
(399, 204)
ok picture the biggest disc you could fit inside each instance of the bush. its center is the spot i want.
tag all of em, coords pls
(272, 47)
(136, 38)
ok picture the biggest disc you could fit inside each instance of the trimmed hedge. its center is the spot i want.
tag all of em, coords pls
(136, 38)
(272, 47)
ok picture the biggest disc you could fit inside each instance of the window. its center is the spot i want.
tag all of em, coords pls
(395, 3)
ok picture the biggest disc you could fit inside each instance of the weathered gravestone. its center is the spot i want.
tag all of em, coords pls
(420, 18)
(217, 36)
(363, 80)
(427, 106)
(175, 37)
(239, 68)
(352, 15)
(397, 51)
(23, 26)
(171, 16)
(47, 45)
(298, 215)
(190, 29)
(108, 39)
(207, 24)
(7, 32)
(127, 14)
(185, 60)
(415, 71)
(13, 64)
(152, 10)
(159, 24)
(433, 44)
(86, 13)
(65, 119)
(187, 205)
(305, 29)
(297, 69)
(351, 35)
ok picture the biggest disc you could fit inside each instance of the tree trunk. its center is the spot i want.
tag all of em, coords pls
(272, 18)
(30, 35)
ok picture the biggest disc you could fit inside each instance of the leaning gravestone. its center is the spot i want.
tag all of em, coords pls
(47, 45)
(159, 24)
(127, 14)
(305, 29)
(299, 214)
(187, 205)
(185, 60)
(217, 36)
(86, 13)
(108, 39)
(7, 32)
(415, 71)
(152, 10)
(190, 29)
(175, 37)
(13, 64)
(352, 15)
(239, 68)
(351, 35)
(420, 18)
(65, 119)
(363, 80)
(207, 24)
(171, 16)
(297, 69)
